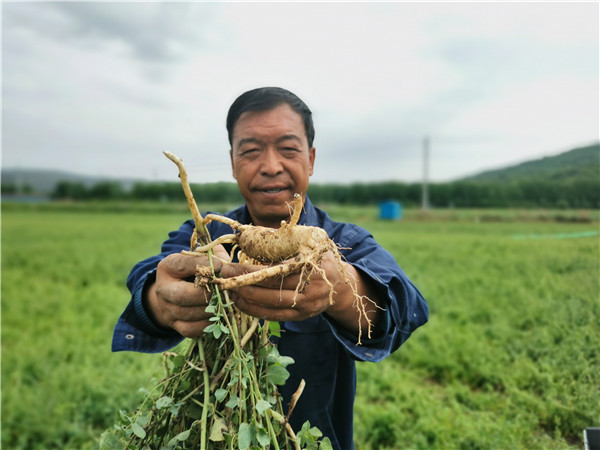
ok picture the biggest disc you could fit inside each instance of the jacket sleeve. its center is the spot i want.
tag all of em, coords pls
(405, 310)
(134, 330)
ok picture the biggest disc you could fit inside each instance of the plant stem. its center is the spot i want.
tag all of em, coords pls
(206, 398)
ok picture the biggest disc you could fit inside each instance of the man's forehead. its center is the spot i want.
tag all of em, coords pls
(281, 120)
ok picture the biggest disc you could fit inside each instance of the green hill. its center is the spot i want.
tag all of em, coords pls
(575, 165)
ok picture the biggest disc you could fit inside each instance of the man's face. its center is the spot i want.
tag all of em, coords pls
(271, 161)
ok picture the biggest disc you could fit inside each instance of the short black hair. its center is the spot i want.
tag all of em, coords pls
(264, 99)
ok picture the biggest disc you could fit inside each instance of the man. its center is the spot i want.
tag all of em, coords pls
(272, 157)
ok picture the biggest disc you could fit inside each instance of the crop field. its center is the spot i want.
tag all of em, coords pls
(509, 358)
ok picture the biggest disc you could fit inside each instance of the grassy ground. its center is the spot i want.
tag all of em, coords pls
(509, 358)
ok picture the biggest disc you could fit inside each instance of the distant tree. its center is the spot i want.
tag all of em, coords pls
(9, 188)
(157, 191)
(107, 190)
(72, 190)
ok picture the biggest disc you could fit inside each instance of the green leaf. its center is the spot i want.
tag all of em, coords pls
(183, 436)
(193, 411)
(174, 410)
(124, 416)
(244, 436)
(325, 444)
(220, 394)
(274, 329)
(314, 431)
(217, 332)
(178, 438)
(262, 406)
(109, 441)
(263, 437)
(184, 386)
(233, 402)
(179, 361)
(277, 375)
(138, 431)
(164, 402)
(275, 358)
(217, 429)
(168, 446)
(142, 421)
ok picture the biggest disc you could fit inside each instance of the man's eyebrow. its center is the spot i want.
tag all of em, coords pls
(249, 140)
(253, 140)
(288, 137)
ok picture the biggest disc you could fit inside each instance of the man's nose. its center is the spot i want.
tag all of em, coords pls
(271, 163)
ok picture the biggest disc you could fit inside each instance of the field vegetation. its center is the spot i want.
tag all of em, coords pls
(509, 358)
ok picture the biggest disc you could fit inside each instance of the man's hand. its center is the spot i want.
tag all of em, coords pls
(173, 301)
(273, 299)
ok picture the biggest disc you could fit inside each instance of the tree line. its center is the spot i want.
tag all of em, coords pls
(459, 194)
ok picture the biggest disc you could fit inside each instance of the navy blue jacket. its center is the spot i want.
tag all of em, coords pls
(324, 353)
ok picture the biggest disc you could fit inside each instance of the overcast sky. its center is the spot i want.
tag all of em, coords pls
(103, 88)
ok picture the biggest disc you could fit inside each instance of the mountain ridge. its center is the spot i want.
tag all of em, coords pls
(571, 165)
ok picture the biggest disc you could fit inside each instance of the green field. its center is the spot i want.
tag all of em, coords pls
(508, 360)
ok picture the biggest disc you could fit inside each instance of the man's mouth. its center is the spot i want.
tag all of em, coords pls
(271, 190)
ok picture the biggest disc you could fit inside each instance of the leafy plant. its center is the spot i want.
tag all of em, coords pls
(222, 393)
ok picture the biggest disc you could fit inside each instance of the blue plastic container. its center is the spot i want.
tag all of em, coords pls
(390, 210)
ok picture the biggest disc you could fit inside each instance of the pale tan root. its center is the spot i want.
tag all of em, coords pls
(194, 239)
(360, 303)
(295, 398)
(250, 332)
(204, 275)
(268, 244)
(256, 277)
(290, 431)
(225, 239)
(198, 221)
(296, 210)
(223, 219)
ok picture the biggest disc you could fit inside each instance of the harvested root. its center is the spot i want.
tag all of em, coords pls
(290, 248)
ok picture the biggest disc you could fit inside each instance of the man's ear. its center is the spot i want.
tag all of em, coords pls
(232, 164)
(311, 159)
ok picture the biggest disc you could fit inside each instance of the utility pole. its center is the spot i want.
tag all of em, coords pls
(425, 189)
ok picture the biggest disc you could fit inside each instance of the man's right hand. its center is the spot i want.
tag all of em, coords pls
(173, 302)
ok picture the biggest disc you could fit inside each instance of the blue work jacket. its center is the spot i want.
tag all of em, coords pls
(324, 353)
